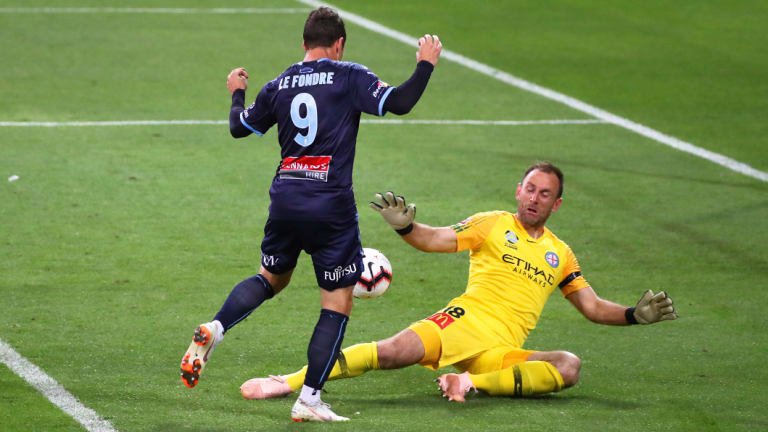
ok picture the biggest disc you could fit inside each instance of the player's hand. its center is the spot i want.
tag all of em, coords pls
(430, 48)
(653, 308)
(237, 79)
(394, 210)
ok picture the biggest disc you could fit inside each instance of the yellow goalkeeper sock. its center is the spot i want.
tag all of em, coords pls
(523, 379)
(353, 361)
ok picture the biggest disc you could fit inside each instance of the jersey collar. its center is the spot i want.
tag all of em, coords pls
(545, 233)
(322, 59)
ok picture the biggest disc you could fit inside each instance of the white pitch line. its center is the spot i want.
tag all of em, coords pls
(363, 121)
(576, 104)
(483, 122)
(51, 389)
(114, 123)
(97, 10)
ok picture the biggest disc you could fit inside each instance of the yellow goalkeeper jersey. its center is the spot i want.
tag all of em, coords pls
(511, 275)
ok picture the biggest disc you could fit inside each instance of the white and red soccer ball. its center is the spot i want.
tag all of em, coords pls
(376, 275)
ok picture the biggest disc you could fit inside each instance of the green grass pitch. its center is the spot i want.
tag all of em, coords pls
(115, 242)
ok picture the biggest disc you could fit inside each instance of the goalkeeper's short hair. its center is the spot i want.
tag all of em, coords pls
(547, 167)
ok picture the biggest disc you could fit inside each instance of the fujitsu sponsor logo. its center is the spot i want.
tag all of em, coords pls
(531, 271)
(339, 272)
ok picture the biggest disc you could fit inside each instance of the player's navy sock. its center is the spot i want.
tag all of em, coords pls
(324, 347)
(244, 298)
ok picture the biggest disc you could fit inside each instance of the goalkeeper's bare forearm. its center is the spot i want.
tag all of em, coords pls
(597, 309)
(650, 309)
(431, 239)
(400, 216)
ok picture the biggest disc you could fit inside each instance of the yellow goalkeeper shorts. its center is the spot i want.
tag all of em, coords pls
(454, 337)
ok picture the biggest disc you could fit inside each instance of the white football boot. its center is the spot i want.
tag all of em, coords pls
(206, 337)
(265, 388)
(320, 411)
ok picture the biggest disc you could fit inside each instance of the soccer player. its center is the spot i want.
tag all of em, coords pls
(316, 105)
(515, 263)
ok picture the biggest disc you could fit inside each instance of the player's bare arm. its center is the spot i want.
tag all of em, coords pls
(431, 239)
(400, 216)
(597, 309)
(237, 80)
(651, 308)
(430, 48)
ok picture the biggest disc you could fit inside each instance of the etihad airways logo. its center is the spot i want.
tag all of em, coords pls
(526, 269)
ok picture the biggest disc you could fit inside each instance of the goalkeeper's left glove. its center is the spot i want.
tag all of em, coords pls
(394, 210)
(651, 308)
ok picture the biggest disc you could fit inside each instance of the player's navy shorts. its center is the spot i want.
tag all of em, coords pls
(334, 246)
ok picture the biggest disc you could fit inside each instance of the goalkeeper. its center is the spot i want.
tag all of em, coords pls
(515, 263)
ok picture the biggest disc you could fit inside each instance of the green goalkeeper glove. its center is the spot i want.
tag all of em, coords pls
(394, 210)
(652, 308)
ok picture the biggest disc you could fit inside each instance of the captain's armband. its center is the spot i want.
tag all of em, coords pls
(568, 279)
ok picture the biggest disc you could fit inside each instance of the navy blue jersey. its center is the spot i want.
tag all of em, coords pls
(317, 107)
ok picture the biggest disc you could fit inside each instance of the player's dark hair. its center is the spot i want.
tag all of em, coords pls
(548, 168)
(323, 27)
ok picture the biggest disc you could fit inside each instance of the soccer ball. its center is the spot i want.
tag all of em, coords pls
(376, 275)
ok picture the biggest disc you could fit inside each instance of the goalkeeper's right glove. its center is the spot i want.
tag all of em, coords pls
(394, 210)
(652, 308)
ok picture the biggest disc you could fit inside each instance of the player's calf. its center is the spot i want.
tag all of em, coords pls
(401, 350)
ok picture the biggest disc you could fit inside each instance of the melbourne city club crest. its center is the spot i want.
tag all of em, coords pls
(552, 259)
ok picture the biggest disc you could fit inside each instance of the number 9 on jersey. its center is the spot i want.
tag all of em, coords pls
(308, 121)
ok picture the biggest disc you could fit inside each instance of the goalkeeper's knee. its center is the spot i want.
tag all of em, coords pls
(568, 365)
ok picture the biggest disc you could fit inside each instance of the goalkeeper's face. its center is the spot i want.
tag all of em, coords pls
(537, 198)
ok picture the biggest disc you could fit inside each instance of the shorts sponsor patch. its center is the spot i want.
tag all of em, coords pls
(447, 316)
(442, 320)
(313, 168)
(339, 272)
